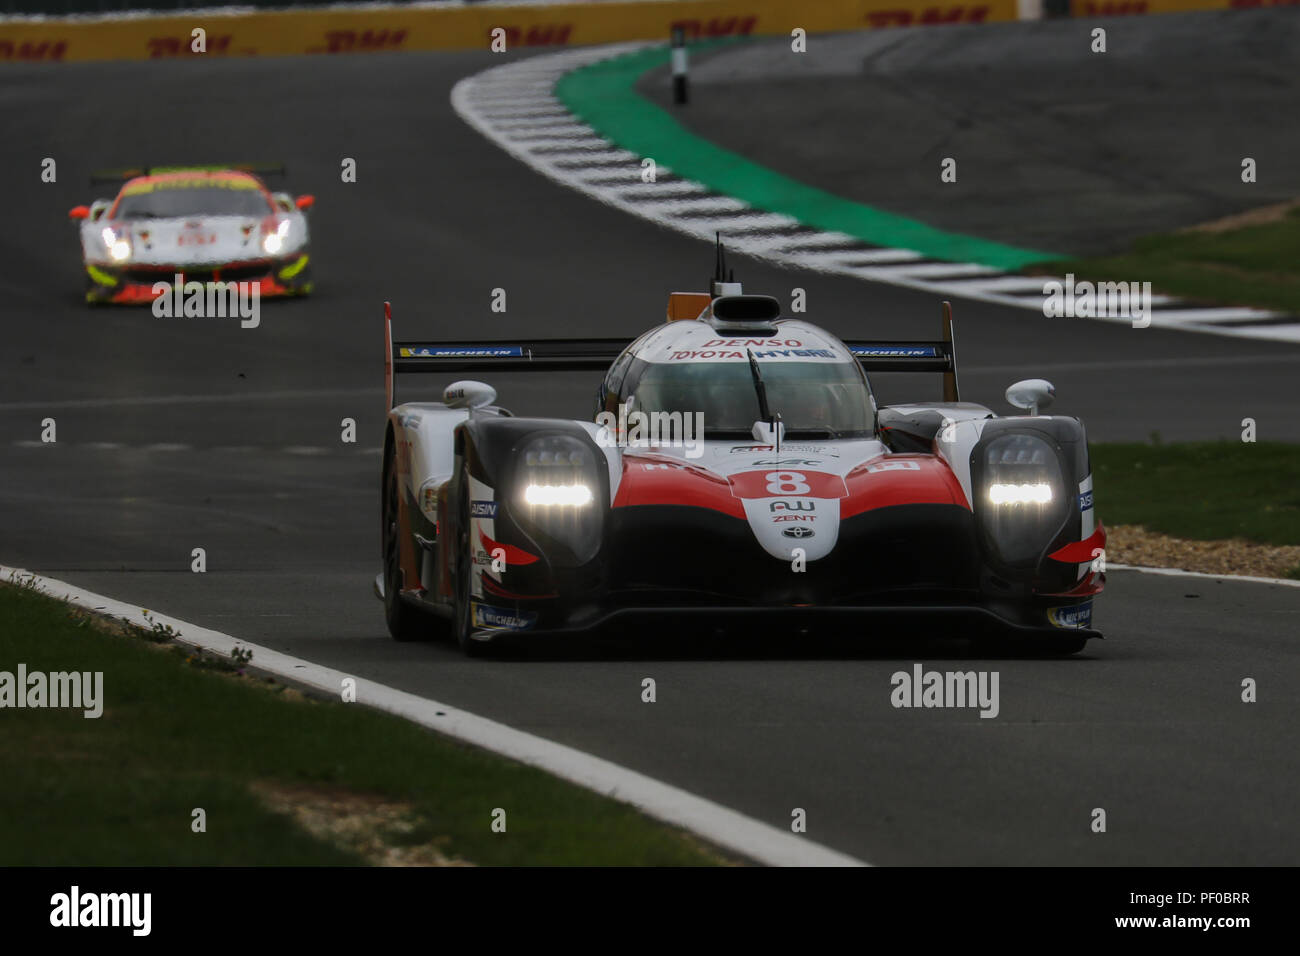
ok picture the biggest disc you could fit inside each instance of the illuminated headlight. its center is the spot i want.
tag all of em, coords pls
(1026, 494)
(557, 483)
(273, 242)
(1023, 496)
(572, 495)
(119, 247)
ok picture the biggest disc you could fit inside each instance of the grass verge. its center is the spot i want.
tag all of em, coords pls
(1248, 260)
(282, 778)
(1202, 490)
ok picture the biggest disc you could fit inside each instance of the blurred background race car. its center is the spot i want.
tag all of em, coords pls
(203, 223)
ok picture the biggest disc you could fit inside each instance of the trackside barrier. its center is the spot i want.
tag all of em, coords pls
(381, 28)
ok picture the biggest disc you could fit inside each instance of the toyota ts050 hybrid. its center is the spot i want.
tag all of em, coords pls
(802, 501)
(206, 224)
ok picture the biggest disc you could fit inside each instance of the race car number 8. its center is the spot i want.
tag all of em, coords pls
(786, 483)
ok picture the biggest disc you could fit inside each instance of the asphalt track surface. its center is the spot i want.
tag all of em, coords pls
(1058, 148)
(175, 434)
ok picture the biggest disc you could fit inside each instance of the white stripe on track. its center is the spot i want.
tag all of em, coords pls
(872, 257)
(719, 825)
(1180, 573)
(932, 269)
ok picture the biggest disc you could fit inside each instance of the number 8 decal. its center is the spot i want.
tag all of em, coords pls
(786, 483)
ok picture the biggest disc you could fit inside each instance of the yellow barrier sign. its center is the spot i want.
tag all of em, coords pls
(367, 29)
(359, 30)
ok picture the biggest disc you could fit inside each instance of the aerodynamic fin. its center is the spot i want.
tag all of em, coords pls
(494, 355)
(571, 355)
(938, 356)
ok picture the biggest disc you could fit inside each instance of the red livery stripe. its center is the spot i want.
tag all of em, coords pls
(901, 480)
(513, 555)
(1079, 552)
(659, 480)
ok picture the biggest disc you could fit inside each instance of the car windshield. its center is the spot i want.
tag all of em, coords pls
(174, 202)
(814, 399)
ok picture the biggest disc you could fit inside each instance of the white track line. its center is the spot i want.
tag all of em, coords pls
(1180, 573)
(717, 824)
(505, 102)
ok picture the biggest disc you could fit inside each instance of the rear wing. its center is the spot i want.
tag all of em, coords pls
(480, 355)
(575, 355)
(940, 356)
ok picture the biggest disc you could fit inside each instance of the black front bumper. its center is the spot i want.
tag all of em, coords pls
(892, 569)
(956, 620)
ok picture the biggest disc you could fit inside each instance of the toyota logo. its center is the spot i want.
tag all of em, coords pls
(798, 531)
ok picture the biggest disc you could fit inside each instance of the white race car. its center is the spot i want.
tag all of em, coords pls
(204, 224)
(737, 468)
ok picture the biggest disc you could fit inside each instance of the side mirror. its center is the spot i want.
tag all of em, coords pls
(79, 212)
(1032, 394)
(469, 394)
(305, 202)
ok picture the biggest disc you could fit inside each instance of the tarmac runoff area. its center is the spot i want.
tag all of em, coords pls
(1058, 148)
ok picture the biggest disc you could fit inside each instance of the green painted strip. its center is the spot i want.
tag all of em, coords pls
(604, 96)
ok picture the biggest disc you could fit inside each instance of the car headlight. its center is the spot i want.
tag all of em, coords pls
(1023, 502)
(1038, 493)
(273, 242)
(572, 496)
(557, 481)
(119, 247)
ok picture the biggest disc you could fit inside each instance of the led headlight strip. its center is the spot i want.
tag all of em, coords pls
(1023, 491)
(1039, 493)
(575, 495)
